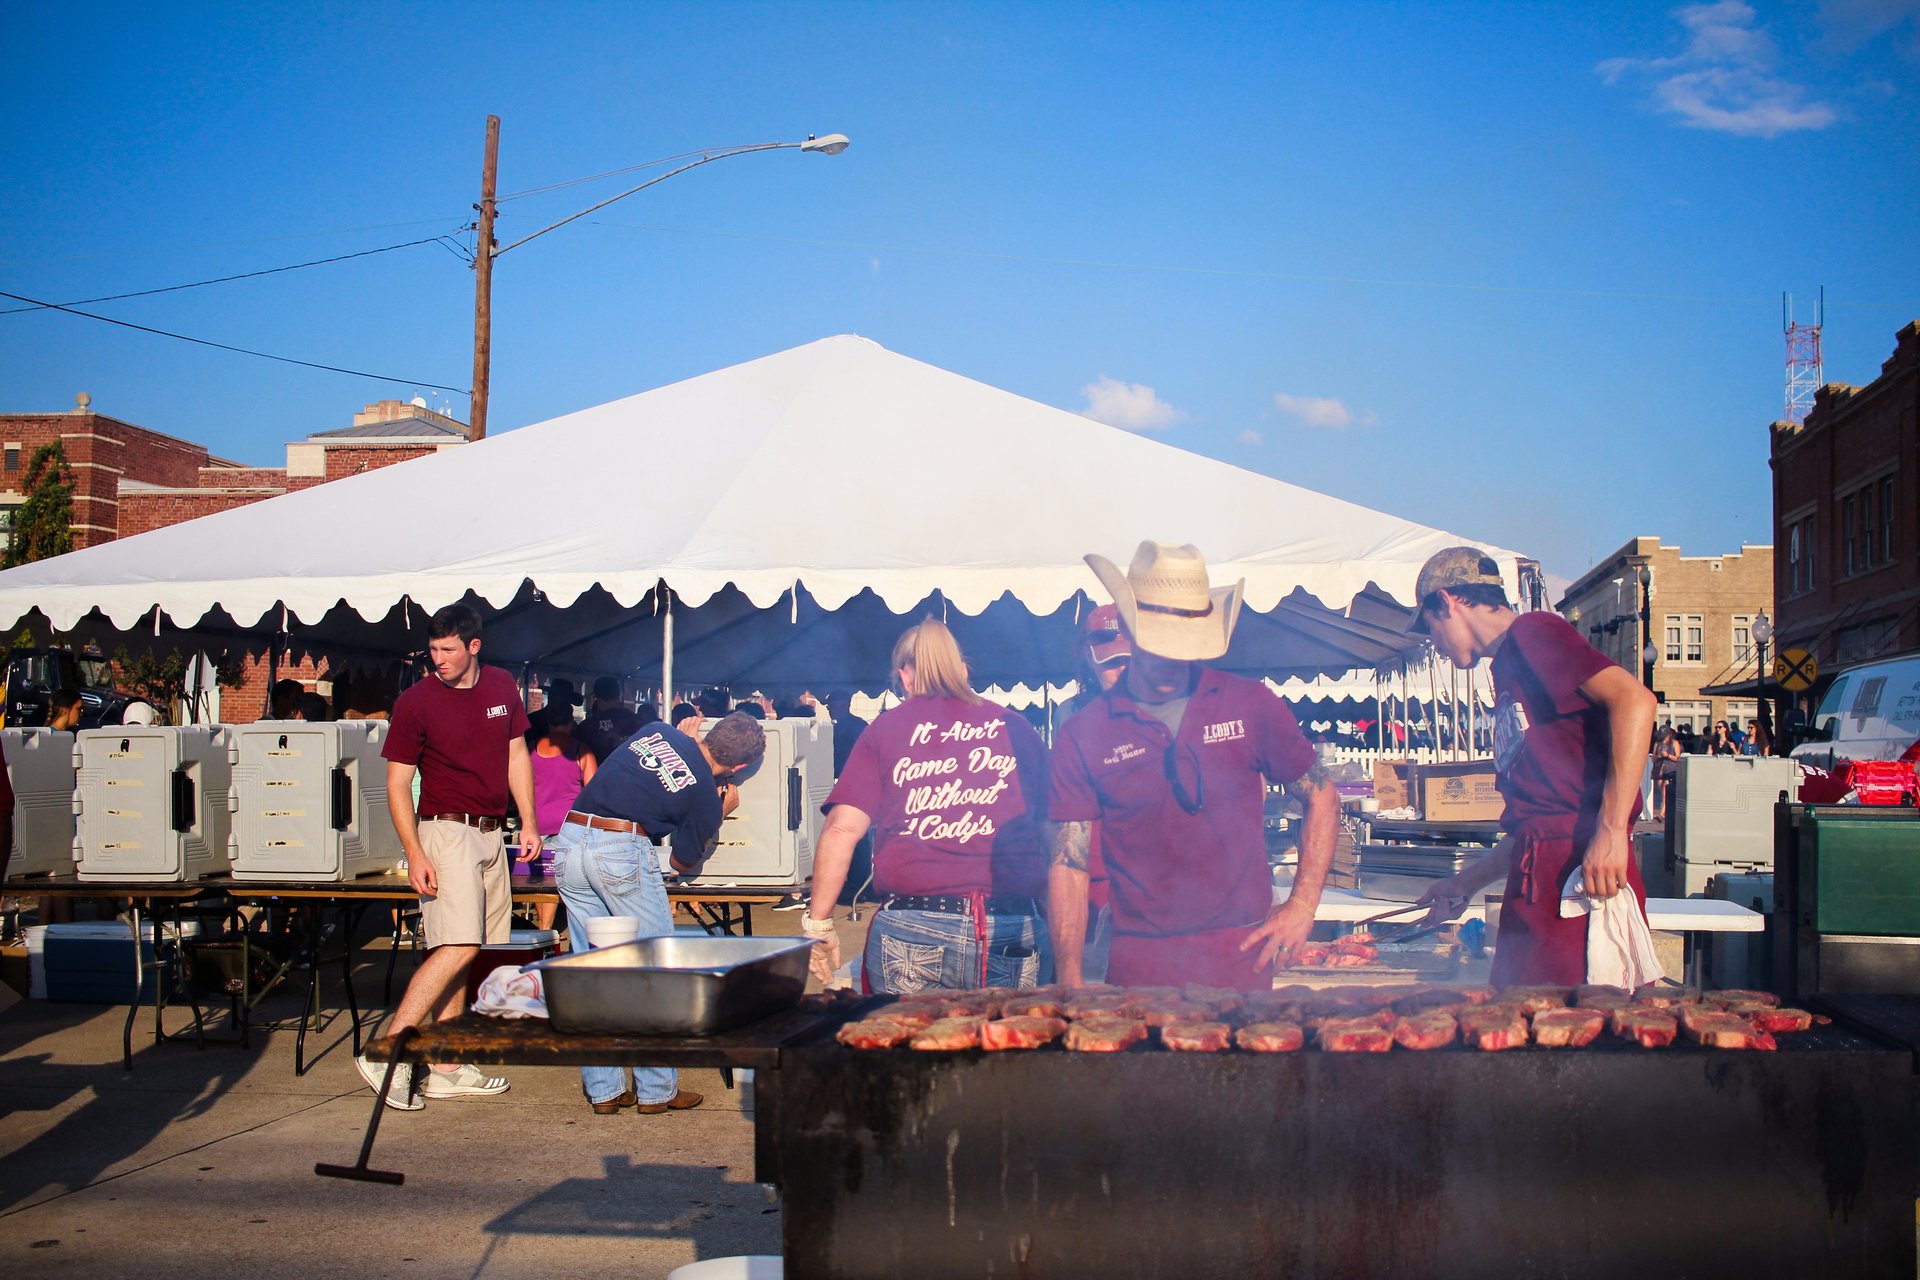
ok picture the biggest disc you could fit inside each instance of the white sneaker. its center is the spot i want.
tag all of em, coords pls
(464, 1081)
(402, 1097)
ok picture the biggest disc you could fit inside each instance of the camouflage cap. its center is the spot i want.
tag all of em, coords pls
(1449, 568)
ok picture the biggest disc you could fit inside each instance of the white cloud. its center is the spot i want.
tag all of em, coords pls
(1128, 405)
(1321, 411)
(1725, 79)
(1250, 437)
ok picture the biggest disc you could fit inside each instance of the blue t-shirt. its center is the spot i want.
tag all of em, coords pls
(659, 779)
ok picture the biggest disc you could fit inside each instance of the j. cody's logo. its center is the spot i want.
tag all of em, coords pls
(1224, 731)
(495, 713)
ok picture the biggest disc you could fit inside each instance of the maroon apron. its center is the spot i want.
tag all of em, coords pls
(1212, 959)
(1536, 945)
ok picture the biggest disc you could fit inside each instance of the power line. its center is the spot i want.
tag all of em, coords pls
(244, 275)
(194, 246)
(204, 342)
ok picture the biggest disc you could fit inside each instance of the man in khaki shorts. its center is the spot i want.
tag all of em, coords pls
(461, 728)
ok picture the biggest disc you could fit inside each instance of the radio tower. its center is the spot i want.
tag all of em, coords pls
(1803, 357)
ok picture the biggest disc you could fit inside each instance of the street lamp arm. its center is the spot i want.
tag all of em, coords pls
(706, 158)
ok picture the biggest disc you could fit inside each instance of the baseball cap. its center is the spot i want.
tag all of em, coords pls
(1447, 569)
(1106, 642)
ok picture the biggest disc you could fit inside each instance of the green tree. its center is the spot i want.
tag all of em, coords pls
(42, 526)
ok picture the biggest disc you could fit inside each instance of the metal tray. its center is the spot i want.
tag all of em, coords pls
(674, 985)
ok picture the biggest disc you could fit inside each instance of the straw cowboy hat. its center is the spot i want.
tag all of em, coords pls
(1166, 604)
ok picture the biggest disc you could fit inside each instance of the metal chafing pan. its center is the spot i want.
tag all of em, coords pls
(674, 985)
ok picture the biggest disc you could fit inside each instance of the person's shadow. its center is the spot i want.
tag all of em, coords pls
(645, 1202)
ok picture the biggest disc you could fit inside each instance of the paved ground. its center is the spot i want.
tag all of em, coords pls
(200, 1163)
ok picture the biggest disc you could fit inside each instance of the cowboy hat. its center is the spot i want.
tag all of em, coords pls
(1166, 604)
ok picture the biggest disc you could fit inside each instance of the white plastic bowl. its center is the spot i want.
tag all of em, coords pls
(611, 931)
(759, 1267)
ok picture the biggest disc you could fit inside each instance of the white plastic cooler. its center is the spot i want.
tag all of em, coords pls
(309, 801)
(150, 802)
(769, 839)
(40, 767)
(1723, 817)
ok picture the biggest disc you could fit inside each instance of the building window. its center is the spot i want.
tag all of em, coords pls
(1696, 716)
(1696, 638)
(1673, 637)
(1848, 528)
(1886, 520)
(1807, 552)
(1742, 638)
(13, 457)
(1869, 544)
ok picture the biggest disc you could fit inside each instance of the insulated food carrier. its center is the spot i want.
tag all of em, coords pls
(309, 801)
(769, 839)
(39, 764)
(1723, 818)
(150, 802)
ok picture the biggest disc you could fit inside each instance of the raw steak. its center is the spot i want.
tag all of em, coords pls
(1781, 1020)
(1354, 1035)
(1585, 995)
(1534, 999)
(1197, 1035)
(874, 1033)
(1744, 996)
(1270, 1037)
(1034, 1007)
(910, 1015)
(1568, 1028)
(1648, 1027)
(1355, 946)
(1493, 1027)
(1434, 1029)
(1105, 1035)
(1725, 1031)
(949, 1033)
(1021, 1033)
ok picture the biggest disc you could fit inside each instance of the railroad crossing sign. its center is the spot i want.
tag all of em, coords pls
(1795, 669)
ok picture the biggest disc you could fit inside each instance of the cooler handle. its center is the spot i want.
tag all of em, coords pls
(342, 799)
(794, 798)
(182, 800)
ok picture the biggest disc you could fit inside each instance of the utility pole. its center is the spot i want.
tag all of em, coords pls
(483, 284)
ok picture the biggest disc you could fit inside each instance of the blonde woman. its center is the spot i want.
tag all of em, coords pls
(954, 789)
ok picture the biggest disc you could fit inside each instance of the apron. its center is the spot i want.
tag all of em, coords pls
(1536, 945)
(1212, 958)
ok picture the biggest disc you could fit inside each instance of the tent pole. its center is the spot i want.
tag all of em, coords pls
(666, 646)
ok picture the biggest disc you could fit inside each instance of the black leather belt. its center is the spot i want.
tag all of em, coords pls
(478, 822)
(961, 906)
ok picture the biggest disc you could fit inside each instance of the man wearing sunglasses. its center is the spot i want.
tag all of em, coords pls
(1173, 764)
(1105, 651)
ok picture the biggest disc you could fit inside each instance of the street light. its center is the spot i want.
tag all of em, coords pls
(485, 251)
(1762, 631)
(1647, 652)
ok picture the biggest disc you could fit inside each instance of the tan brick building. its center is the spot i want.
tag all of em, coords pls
(1700, 620)
(130, 479)
(1844, 498)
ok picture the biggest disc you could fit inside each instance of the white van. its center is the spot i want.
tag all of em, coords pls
(1871, 712)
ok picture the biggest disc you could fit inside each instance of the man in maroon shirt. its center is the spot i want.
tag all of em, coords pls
(461, 728)
(1571, 730)
(1173, 763)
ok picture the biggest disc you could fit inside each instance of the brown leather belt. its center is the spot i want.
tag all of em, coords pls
(599, 823)
(478, 822)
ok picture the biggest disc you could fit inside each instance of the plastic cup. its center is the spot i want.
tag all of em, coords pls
(611, 931)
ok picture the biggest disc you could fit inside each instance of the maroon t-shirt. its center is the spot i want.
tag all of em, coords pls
(459, 738)
(955, 791)
(1550, 745)
(1173, 872)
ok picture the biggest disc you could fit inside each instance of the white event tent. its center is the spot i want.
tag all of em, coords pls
(772, 524)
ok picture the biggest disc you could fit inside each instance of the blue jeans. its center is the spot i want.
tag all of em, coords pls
(915, 950)
(611, 873)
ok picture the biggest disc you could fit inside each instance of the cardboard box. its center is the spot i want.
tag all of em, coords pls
(1390, 784)
(1465, 792)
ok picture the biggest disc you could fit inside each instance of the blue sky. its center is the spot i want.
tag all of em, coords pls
(1511, 270)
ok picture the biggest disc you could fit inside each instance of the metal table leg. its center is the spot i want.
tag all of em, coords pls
(358, 1170)
(133, 1001)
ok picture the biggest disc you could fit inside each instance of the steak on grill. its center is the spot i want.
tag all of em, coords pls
(1534, 999)
(1494, 1027)
(874, 1033)
(1741, 995)
(1426, 999)
(1197, 1035)
(1568, 1028)
(1051, 1006)
(1270, 1037)
(1083, 1007)
(1648, 1027)
(1434, 1029)
(1021, 1032)
(1354, 1035)
(1725, 1031)
(1665, 997)
(1778, 1020)
(1105, 1035)
(949, 1033)
(1222, 1000)
(910, 1015)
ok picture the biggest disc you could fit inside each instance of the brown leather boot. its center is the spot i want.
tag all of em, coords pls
(611, 1107)
(685, 1100)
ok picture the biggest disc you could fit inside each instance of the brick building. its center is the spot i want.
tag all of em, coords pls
(1701, 622)
(130, 479)
(1848, 577)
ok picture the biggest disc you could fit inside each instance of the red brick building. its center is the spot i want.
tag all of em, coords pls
(130, 479)
(1846, 489)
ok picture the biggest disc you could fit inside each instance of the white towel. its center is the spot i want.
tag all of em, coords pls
(508, 992)
(1619, 944)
